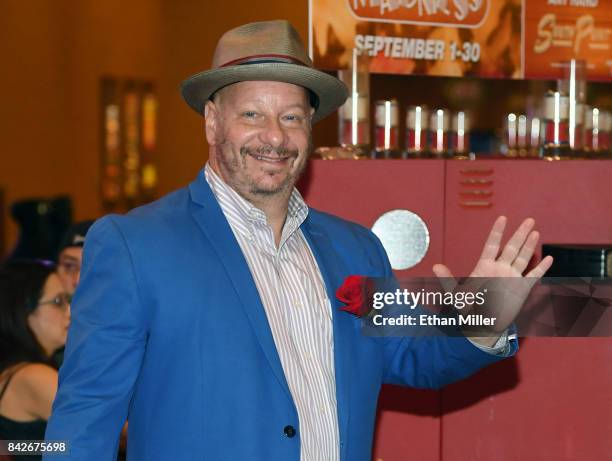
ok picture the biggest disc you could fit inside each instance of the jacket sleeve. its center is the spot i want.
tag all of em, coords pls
(105, 347)
(431, 361)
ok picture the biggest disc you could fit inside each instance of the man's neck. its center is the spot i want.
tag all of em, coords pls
(275, 208)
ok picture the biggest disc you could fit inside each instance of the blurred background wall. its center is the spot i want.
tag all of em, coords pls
(54, 54)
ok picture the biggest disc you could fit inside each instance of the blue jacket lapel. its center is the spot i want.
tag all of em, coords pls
(214, 225)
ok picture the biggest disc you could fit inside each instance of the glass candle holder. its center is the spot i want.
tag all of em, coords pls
(417, 122)
(510, 142)
(556, 125)
(386, 131)
(438, 132)
(535, 136)
(573, 84)
(353, 116)
(459, 138)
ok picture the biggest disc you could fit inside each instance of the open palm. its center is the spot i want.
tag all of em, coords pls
(495, 266)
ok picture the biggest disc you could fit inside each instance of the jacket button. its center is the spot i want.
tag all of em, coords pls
(289, 431)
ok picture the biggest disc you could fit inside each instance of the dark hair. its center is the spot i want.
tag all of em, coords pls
(21, 287)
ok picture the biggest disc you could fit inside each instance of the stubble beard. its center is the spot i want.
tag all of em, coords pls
(233, 165)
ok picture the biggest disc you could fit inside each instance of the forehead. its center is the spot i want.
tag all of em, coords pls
(266, 91)
(53, 285)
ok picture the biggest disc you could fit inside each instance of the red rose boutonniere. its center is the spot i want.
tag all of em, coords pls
(353, 294)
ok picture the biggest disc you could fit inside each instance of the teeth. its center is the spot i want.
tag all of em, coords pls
(259, 157)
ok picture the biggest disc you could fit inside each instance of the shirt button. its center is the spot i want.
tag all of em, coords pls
(298, 304)
(289, 431)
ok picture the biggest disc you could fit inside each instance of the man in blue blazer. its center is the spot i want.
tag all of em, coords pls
(176, 324)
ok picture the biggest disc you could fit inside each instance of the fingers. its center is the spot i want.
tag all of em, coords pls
(491, 247)
(442, 271)
(445, 276)
(540, 269)
(524, 256)
(516, 242)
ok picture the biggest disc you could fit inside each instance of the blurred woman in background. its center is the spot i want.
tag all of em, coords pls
(34, 319)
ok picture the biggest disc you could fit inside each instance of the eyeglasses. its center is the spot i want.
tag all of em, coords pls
(61, 300)
(69, 267)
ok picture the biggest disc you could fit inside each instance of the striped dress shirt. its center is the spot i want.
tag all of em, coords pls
(293, 294)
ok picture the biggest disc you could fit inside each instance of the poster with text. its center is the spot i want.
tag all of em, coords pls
(559, 30)
(428, 37)
(481, 38)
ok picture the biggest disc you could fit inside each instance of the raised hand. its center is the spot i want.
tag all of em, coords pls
(493, 267)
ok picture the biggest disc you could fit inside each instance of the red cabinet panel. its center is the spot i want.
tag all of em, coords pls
(571, 202)
(554, 401)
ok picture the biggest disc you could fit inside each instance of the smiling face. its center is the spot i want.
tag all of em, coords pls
(260, 137)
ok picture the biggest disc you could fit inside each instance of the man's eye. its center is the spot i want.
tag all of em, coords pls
(250, 114)
(293, 118)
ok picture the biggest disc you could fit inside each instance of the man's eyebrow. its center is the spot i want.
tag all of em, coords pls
(296, 105)
(257, 100)
(301, 107)
(72, 258)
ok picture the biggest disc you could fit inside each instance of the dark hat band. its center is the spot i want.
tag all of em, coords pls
(272, 59)
(265, 58)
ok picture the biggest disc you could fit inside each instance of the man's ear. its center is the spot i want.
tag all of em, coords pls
(211, 122)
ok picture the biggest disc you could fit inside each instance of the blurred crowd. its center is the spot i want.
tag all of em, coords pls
(35, 296)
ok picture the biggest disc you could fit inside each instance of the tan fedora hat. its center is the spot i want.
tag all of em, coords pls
(271, 51)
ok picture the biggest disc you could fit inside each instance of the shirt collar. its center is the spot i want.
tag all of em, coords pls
(241, 212)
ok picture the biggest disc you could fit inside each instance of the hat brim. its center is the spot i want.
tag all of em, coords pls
(330, 91)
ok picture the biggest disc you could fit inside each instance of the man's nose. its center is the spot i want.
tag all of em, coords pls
(274, 133)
